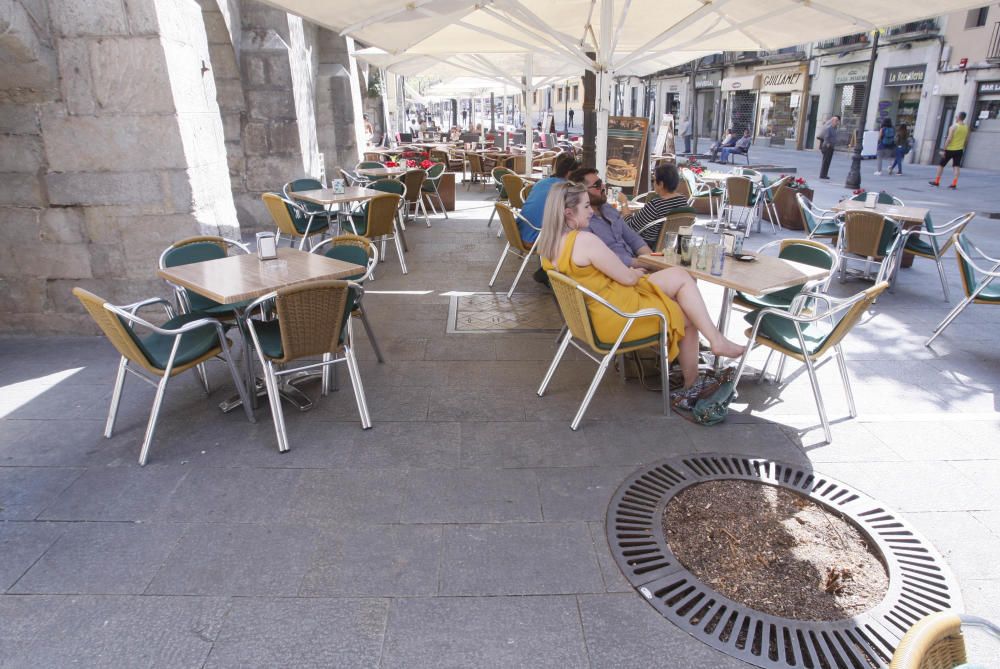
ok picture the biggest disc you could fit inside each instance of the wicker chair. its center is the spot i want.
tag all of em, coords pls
(819, 222)
(738, 193)
(381, 224)
(672, 222)
(431, 190)
(497, 174)
(199, 249)
(515, 245)
(808, 338)
(414, 200)
(374, 157)
(360, 251)
(513, 185)
(870, 237)
(936, 641)
(933, 249)
(697, 189)
(766, 193)
(476, 171)
(183, 342)
(292, 220)
(311, 209)
(976, 281)
(572, 299)
(883, 198)
(313, 320)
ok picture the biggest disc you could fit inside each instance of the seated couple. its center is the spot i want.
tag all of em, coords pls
(730, 146)
(566, 244)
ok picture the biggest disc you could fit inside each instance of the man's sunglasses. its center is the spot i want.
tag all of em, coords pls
(597, 184)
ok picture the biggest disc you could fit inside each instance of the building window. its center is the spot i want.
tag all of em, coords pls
(576, 93)
(559, 95)
(534, 98)
(976, 18)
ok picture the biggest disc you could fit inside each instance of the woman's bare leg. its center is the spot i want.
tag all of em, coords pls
(687, 357)
(679, 286)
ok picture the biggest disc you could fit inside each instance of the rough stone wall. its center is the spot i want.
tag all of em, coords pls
(118, 155)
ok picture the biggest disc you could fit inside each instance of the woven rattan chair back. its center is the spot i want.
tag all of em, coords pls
(373, 156)
(850, 318)
(312, 316)
(382, 214)
(116, 331)
(439, 156)
(513, 184)
(526, 191)
(863, 233)
(510, 230)
(278, 209)
(414, 181)
(573, 307)
(519, 164)
(739, 191)
(673, 223)
(934, 642)
(475, 163)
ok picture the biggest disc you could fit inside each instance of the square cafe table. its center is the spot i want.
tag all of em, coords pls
(245, 277)
(766, 274)
(383, 172)
(909, 217)
(329, 198)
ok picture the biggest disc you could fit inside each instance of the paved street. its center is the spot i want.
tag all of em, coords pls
(466, 529)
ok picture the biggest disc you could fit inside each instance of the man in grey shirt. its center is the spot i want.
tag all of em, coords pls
(827, 137)
(606, 222)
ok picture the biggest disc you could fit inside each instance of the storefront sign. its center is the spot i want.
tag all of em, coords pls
(911, 75)
(851, 74)
(989, 87)
(707, 80)
(747, 83)
(675, 85)
(782, 81)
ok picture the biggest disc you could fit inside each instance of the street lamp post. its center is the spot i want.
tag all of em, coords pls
(854, 174)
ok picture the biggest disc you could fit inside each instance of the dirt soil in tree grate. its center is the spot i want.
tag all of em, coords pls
(774, 551)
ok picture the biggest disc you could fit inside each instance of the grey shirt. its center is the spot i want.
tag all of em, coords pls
(610, 227)
(828, 135)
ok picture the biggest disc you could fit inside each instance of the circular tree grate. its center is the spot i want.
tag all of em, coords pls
(919, 581)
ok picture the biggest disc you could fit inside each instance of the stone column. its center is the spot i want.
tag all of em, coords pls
(338, 103)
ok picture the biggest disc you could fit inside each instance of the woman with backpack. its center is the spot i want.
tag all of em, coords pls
(886, 144)
(902, 148)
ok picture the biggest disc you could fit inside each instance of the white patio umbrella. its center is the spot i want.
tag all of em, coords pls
(625, 36)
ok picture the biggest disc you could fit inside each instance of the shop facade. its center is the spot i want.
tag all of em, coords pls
(708, 95)
(984, 120)
(849, 85)
(672, 96)
(782, 93)
(740, 103)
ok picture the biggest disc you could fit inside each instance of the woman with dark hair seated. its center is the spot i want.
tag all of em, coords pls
(666, 180)
(567, 246)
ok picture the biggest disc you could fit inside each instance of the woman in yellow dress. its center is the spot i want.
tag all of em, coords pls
(566, 245)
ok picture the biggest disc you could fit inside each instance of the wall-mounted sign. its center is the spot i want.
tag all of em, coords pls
(747, 83)
(911, 75)
(708, 79)
(851, 74)
(782, 81)
(675, 85)
(988, 87)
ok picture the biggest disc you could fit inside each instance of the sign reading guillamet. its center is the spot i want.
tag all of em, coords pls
(911, 75)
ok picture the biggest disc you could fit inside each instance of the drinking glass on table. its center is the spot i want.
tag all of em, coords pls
(685, 247)
(717, 258)
(699, 254)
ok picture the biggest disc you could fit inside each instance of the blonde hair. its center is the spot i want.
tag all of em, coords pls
(562, 196)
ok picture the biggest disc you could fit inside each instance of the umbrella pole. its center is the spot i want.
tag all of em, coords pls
(529, 128)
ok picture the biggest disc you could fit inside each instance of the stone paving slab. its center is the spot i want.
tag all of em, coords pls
(467, 527)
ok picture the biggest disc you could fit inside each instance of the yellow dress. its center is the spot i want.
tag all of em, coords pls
(643, 295)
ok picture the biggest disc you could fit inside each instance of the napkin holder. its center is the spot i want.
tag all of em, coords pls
(267, 246)
(871, 199)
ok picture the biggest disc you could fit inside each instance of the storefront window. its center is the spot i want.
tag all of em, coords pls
(986, 110)
(706, 113)
(742, 105)
(779, 117)
(848, 104)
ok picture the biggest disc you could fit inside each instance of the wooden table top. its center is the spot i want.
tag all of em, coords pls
(903, 214)
(383, 171)
(766, 274)
(326, 196)
(245, 277)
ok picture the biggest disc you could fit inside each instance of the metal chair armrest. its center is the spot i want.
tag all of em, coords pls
(837, 306)
(660, 221)
(518, 215)
(187, 327)
(993, 272)
(135, 306)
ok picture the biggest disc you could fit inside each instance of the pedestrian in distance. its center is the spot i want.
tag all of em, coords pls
(886, 144)
(903, 144)
(686, 134)
(954, 150)
(827, 137)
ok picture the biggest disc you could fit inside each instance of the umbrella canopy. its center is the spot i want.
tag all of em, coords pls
(628, 36)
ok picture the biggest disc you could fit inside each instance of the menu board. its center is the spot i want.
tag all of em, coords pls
(664, 142)
(626, 149)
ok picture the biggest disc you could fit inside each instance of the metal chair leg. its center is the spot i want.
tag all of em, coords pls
(944, 279)
(203, 377)
(423, 208)
(274, 399)
(399, 251)
(492, 214)
(819, 399)
(952, 315)
(359, 390)
(592, 390)
(496, 272)
(842, 365)
(116, 397)
(520, 271)
(665, 374)
(154, 414)
(555, 362)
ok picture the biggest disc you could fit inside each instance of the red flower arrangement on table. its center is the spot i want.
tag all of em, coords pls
(391, 163)
(858, 191)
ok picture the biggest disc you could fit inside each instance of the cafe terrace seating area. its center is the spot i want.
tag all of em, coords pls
(429, 501)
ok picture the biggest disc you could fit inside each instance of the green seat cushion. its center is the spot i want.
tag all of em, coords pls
(269, 335)
(827, 229)
(990, 292)
(645, 341)
(193, 344)
(360, 221)
(781, 299)
(351, 254)
(918, 245)
(782, 331)
(319, 223)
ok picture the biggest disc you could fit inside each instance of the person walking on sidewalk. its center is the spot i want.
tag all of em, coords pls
(827, 136)
(903, 141)
(954, 149)
(886, 143)
(686, 133)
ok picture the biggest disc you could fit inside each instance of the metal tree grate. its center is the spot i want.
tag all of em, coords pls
(919, 581)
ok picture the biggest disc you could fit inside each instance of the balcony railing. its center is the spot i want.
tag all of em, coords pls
(993, 51)
(913, 29)
(788, 53)
(845, 41)
(740, 56)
